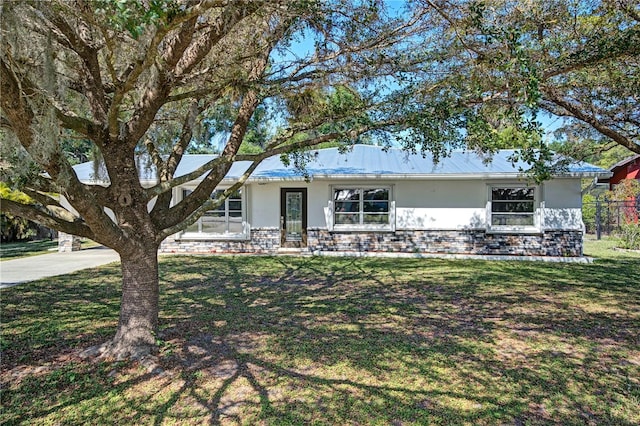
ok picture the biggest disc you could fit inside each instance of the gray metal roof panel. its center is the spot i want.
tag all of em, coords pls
(367, 160)
(364, 161)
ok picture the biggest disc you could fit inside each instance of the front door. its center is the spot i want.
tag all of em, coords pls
(293, 217)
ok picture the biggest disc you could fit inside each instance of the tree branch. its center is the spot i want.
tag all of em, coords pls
(17, 110)
(80, 125)
(168, 168)
(627, 43)
(94, 92)
(15, 106)
(47, 218)
(185, 58)
(591, 120)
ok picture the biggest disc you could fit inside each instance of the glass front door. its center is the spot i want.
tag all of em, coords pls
(293, 217)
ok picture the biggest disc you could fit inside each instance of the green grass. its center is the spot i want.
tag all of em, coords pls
(26, 248)
(607, 248)
(321, 341)
(10, 251)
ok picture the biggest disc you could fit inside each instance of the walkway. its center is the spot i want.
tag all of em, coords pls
(33, 268)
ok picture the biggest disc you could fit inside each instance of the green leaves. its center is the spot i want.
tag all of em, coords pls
(135, 15)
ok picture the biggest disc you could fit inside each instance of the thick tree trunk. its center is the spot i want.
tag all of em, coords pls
(135, 336)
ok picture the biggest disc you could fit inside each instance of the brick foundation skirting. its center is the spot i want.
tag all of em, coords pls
(476, 242)
(263, 241)
(473, 242)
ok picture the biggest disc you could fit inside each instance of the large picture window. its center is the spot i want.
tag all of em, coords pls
(224, 219)
(361, 207)
(513, 206)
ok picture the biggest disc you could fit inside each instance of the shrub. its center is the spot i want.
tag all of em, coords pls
(14, 228)
(629, 236)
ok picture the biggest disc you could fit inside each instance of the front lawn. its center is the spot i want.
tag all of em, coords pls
(26, 248)
(286, 340)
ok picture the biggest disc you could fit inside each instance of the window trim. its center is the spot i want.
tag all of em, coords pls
(243, 235)
(331, 216)
(538, 207)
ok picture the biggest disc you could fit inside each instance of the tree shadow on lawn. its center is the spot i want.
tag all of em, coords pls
(42, 319)
(303, 340)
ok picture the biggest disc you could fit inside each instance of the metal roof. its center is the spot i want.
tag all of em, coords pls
(367, 161)
(624, 162)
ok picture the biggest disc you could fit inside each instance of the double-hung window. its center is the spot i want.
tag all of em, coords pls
(512, 207)
(362, 207)
(226, 220)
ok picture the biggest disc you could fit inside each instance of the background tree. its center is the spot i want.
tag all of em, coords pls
(576, 60)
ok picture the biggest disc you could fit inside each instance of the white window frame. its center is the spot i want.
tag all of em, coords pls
(538, 208)
(386, 227)
(243, 235)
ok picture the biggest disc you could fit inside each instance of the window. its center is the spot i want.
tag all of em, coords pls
(512, 207)
(224, 219)
(361, 207)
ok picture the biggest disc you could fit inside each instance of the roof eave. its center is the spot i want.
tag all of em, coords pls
(585, 175)
(449, 176)
(381, 176)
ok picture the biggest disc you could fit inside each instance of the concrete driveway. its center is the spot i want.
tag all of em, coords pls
(33, 268)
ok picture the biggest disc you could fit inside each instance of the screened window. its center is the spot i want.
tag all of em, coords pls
(224, 219)
(361, 206)
(512, 206)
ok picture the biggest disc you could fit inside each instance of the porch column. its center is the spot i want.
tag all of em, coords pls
(68, 242)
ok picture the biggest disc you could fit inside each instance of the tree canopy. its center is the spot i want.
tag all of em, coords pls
(574, 60)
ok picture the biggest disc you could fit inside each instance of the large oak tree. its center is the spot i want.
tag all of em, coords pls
(140, 77)
(143, 77)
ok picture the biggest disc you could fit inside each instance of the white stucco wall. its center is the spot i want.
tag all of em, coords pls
(435, 204)
(463, 204)
(441, 204)
(563, 204)
(264, 203)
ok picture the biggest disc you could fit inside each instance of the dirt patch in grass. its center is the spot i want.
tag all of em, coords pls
(259, 340)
